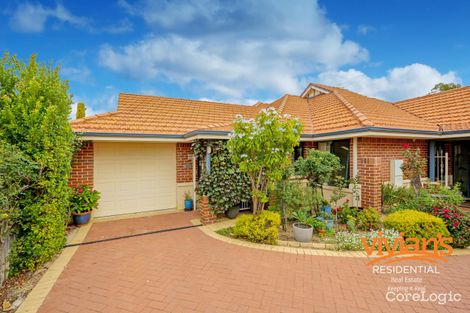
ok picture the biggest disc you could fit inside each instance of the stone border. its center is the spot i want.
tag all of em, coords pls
(211, 229)
(289, 246)
(38, 294)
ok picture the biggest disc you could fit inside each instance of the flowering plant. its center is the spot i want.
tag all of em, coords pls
(84, 199)
(262, 147)
(413, 166)
(457, 224)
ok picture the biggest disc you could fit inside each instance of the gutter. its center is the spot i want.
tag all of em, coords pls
(211, 133)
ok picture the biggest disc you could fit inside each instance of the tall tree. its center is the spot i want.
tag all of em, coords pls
(263, 147)
(444, 87)
(34, 109)
(81, 110)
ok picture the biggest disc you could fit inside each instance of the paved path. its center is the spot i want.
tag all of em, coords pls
(188, 271)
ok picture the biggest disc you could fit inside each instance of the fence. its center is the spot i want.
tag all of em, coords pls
(5, 246)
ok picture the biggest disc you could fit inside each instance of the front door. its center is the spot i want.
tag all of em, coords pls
(462, 166)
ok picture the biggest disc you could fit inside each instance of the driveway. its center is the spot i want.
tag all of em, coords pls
(188, 271)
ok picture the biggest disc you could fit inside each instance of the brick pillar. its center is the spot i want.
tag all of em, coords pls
(82, 166)
(307, 145)
(207, 217)
(369, 173)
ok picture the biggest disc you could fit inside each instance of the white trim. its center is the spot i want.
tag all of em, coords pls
(129, 139)
(355, 164)
(375, 134)
(310, 87)
(317, 137)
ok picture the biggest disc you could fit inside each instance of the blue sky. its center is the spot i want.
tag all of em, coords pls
(241, 51)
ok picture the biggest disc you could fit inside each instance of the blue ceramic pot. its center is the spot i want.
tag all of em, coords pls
(326, 209)
(81, 218)
(188, 205)
(329, 222)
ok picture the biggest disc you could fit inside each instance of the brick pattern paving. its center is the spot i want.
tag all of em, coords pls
(188, 271)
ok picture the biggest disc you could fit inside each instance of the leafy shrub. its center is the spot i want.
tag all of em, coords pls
(368, 219)
(352, 241)
(17, 172)
(396, 195)
(293, 195)
(34, 108)
(346, 213)
(262, 228)
(225, 185)
(406, 198)
(351, 223)
(415, 224)
(457, 224)
(84, 199)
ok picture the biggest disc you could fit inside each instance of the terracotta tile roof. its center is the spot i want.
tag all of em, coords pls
(449, 109)
(340, 109)
(161, 115)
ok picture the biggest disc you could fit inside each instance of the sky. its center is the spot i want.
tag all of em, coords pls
(241, 51)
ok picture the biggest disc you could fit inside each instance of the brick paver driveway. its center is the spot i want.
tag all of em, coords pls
(187, 271)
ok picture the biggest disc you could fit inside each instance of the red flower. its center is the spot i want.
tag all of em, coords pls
(456, 215)
(406, 146)
(80, 190)
(456, 224)
(446, 215)
(446, 210)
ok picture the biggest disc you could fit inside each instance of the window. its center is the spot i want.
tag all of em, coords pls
(298, 152)
(340, 148)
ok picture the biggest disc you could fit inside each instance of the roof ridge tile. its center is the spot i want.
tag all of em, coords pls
(360, 116)
(283, 103)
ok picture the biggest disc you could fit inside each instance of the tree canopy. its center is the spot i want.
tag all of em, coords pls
(263, 148)
(444, 87)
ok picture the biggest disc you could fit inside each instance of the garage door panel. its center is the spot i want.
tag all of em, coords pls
(135, 177)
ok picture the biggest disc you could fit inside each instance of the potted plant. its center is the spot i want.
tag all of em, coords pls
(188, 201)
(303, 230)
(84, 200)
(233, 211)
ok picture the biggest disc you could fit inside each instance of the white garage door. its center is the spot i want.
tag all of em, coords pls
(134, 177)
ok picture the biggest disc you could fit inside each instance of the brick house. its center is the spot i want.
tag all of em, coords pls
(140, 157)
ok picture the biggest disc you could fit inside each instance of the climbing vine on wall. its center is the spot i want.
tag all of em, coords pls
(224, 184)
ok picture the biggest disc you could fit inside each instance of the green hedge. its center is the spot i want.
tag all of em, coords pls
(34, 110)
(415, 224)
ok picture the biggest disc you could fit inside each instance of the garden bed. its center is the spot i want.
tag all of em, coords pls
(14, 290)
(286, 238)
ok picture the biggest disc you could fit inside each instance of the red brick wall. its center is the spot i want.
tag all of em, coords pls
(382, 150)
(184, 163)
(307, 145)
(82, 165)
(369, 169)
(389, 149)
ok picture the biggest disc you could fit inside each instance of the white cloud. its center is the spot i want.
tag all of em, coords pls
(399, 83)
(80, 74)
(30, 17)
(233, 50)
(364, 29)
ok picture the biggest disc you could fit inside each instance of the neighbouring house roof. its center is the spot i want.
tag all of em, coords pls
(322, 110)
(448, 109)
